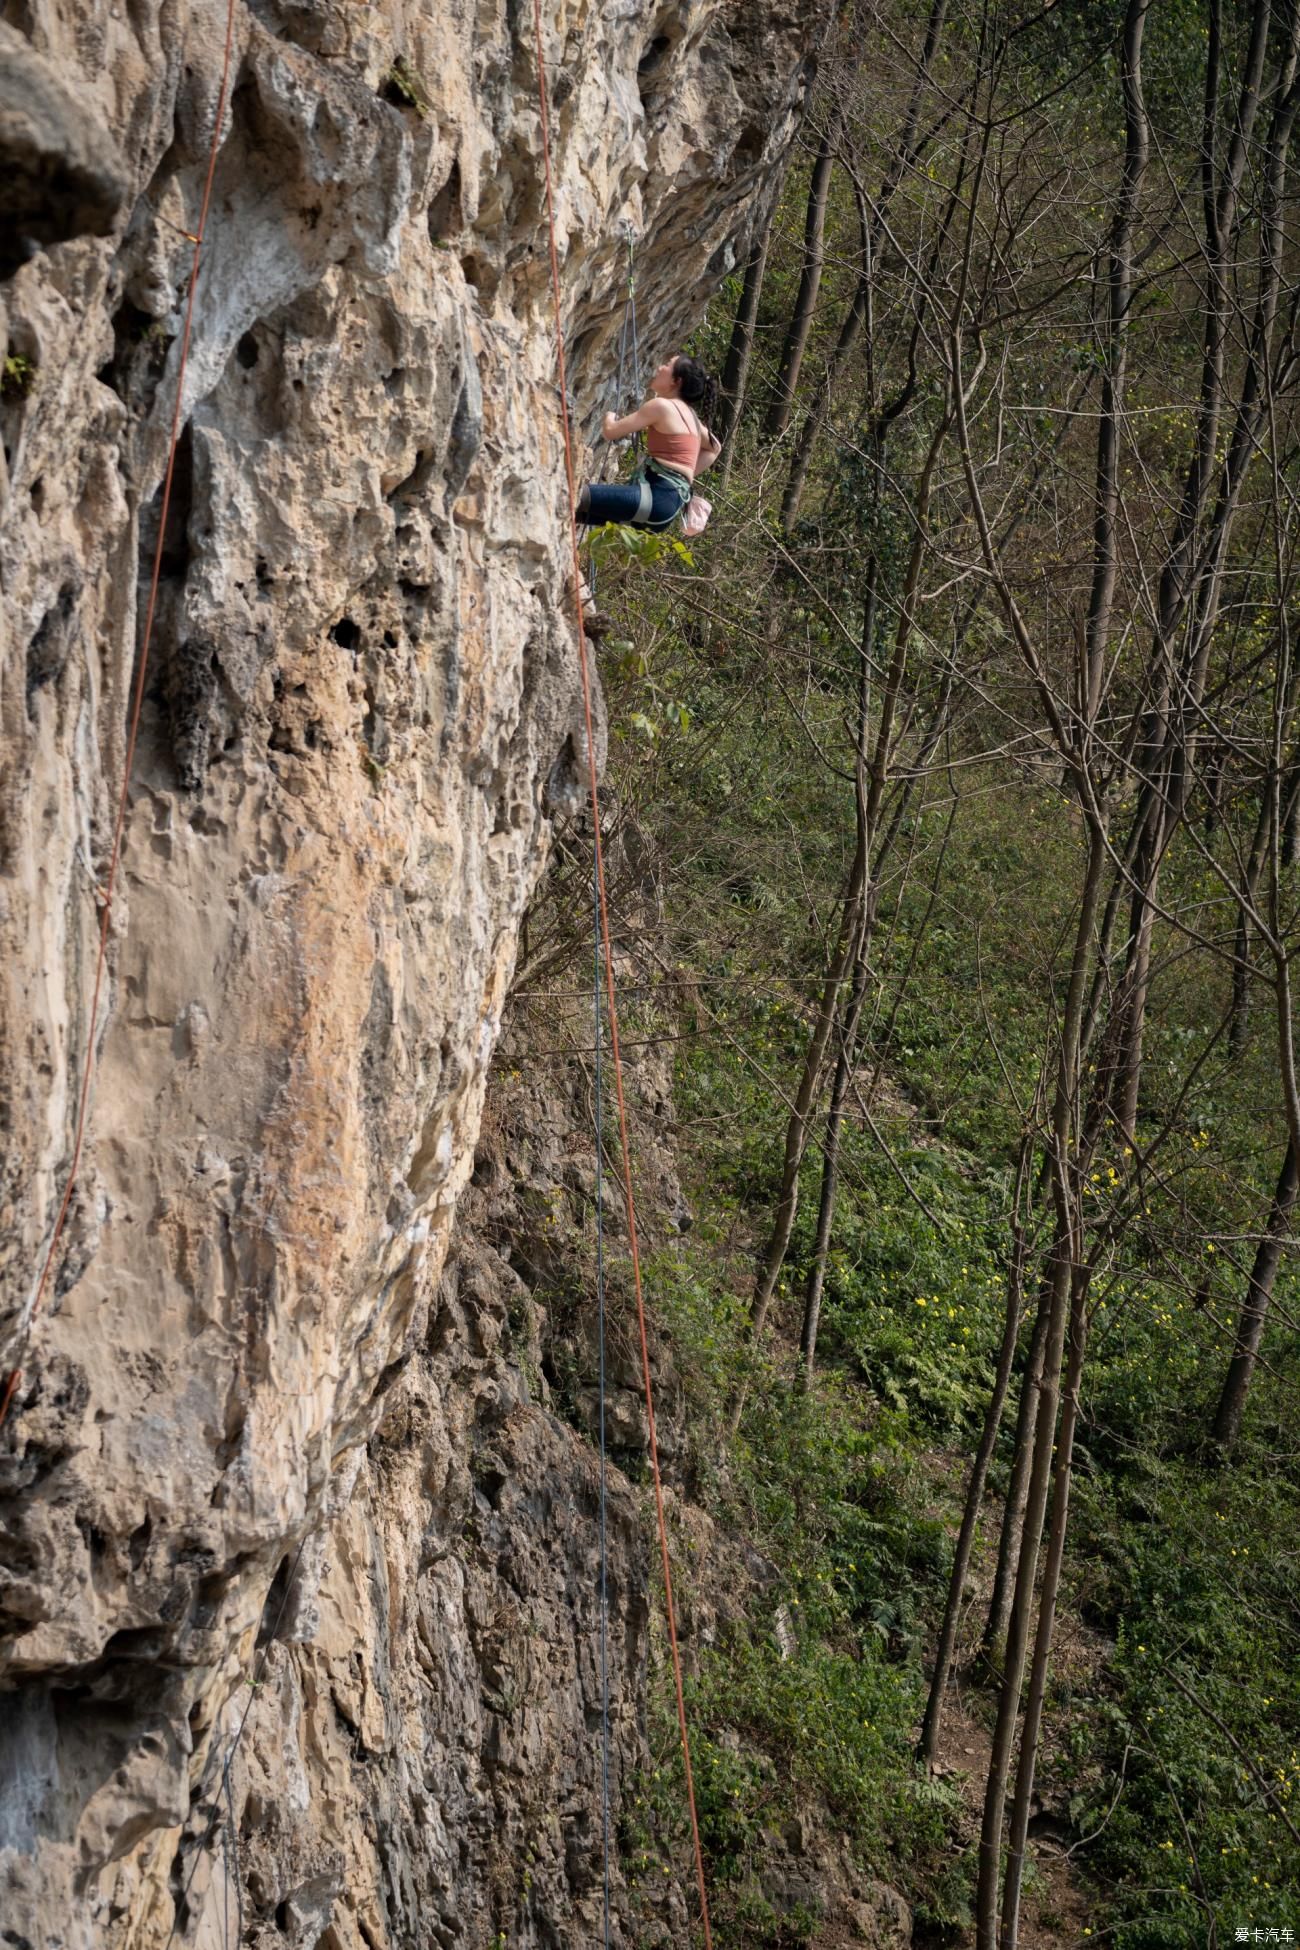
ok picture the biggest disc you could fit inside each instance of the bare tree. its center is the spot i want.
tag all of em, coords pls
(810, 278)
(740, 353)
(943, 1658)
(1254, 1311)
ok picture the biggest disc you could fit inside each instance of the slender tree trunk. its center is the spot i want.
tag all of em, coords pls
(871, 782)
(810, 278)
(1291, 817)
(1191, 579)
(845, 1062)
(1137, 983)
(993, 1640)
(799, 1122)
(735, 371)
(1239, 1023)
(1097, 1017)
(930, 1726)
(848, 1028)
(853, 912)
(1137, 143)
(855, 895)
(1059, 1292)
(859, 311)
(990, 1848)
(849, 334)
(1254, 1312)
(1032, 1724)
(1119, 299)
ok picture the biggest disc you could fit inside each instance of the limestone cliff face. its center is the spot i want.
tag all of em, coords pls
(361, 714)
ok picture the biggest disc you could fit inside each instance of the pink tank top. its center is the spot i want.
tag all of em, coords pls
(679, 450)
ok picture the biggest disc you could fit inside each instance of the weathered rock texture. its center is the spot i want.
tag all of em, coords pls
(361, 714)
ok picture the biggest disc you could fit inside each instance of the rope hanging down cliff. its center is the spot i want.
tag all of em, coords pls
(610, 987)
(598, 1112)
(128, 757)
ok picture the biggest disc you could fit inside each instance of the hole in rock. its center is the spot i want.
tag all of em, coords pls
(246, 351)
(134, 1642)
(653, 59)
(176, 539)
(19, 14)
(48, 650)
(444, 210)
(346, 633)
(751, 144)
(394, 94)
(138, 1542)
(140, 345)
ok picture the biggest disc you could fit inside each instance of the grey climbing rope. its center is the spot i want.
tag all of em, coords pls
(625, 397)
(600, 1316)
(629, 309)
(234, 1873)
(253, 1683)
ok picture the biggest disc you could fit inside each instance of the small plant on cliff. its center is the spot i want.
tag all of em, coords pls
(18, 376)
(405, 86)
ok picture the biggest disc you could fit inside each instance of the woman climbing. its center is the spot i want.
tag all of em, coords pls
(679, 446)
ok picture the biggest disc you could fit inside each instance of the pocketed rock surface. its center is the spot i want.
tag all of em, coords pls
(361, 714)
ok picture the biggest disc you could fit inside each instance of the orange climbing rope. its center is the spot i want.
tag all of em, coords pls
(610, 991)
(106, 903)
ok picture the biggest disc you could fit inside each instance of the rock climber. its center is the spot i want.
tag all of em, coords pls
(679, 446)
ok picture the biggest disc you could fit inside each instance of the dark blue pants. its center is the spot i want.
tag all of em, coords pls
(622, 500)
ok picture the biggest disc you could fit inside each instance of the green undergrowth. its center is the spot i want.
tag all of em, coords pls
(1180, 1577)
(849, 1492)
(810, 1698)
(1197, 1724)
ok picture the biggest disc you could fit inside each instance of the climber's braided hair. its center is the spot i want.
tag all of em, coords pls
(697, 387)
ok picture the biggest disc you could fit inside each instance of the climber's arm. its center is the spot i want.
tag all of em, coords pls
(649, 415)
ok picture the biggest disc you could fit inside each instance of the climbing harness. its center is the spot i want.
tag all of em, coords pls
(602, 905)
(114, 858)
